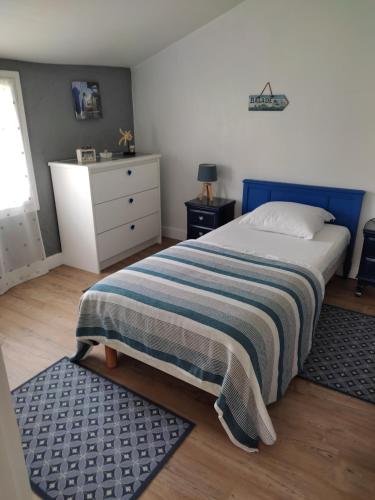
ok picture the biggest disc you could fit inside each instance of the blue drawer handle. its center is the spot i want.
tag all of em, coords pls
(130, 172)
(132, 227)
(131, 200)
(370, 259)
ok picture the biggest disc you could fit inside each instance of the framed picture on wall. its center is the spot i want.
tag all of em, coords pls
(86, 100)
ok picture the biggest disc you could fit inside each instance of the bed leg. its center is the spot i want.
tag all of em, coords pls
(83, 348)
(110, 357)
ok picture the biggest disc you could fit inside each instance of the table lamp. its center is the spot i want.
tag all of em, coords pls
(207, 173)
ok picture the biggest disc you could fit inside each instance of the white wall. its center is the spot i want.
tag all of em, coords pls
(190, 101)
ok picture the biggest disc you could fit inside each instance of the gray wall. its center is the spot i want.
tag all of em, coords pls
(53, 129)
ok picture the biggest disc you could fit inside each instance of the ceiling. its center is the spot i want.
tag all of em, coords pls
(99, 32)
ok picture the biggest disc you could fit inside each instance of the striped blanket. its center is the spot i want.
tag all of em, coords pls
(240, 324)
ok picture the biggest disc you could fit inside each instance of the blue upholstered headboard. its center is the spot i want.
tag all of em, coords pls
(344, 204)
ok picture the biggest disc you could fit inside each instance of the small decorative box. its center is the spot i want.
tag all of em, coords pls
(86, 154)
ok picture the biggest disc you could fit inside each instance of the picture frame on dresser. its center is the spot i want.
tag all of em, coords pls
(106, 210)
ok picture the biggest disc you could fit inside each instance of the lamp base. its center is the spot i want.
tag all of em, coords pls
(206, 192)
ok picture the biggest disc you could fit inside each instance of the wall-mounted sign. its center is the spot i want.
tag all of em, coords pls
(268, 102)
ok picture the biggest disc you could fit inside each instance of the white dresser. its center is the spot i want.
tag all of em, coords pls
(106, 210)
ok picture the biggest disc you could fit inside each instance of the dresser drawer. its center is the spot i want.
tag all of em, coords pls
(129, 235)
(202, 218)
(197, 232)
(124, 181)
(117, 212)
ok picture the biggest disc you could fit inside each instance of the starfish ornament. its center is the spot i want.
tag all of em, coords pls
(126, 137)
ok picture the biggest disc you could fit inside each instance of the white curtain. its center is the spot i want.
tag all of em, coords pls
(22, 255)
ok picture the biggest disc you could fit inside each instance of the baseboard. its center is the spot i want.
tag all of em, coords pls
(55, 260)
(174, 232)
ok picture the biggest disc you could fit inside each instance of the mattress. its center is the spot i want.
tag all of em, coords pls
(240, 325)
(324, 253)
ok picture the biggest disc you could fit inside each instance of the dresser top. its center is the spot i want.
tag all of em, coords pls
(115, 162)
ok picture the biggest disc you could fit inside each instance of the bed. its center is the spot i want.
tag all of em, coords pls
(233, 312)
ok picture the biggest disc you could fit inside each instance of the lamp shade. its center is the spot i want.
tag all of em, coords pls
(207, 172)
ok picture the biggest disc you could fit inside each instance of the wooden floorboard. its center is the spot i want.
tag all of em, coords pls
(326, 440)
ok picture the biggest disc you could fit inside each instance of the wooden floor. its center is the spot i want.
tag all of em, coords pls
(326, 441)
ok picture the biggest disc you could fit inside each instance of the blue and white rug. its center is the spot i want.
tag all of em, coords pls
(343, 353)
(85, 437)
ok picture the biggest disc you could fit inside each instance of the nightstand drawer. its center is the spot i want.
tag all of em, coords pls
(367, 268)
(202, 218)
(369, 246)
(197, 232)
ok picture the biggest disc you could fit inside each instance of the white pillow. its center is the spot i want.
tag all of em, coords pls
(294, 219)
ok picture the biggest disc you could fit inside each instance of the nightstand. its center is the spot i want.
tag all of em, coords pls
(204, 216)
(366, 273)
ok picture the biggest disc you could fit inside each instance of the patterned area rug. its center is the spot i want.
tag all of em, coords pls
(343, 353)
(85, 437)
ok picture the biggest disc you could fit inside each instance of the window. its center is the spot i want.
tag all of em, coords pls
(17, 183)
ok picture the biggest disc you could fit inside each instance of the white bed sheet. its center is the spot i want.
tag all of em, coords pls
(325, 252)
